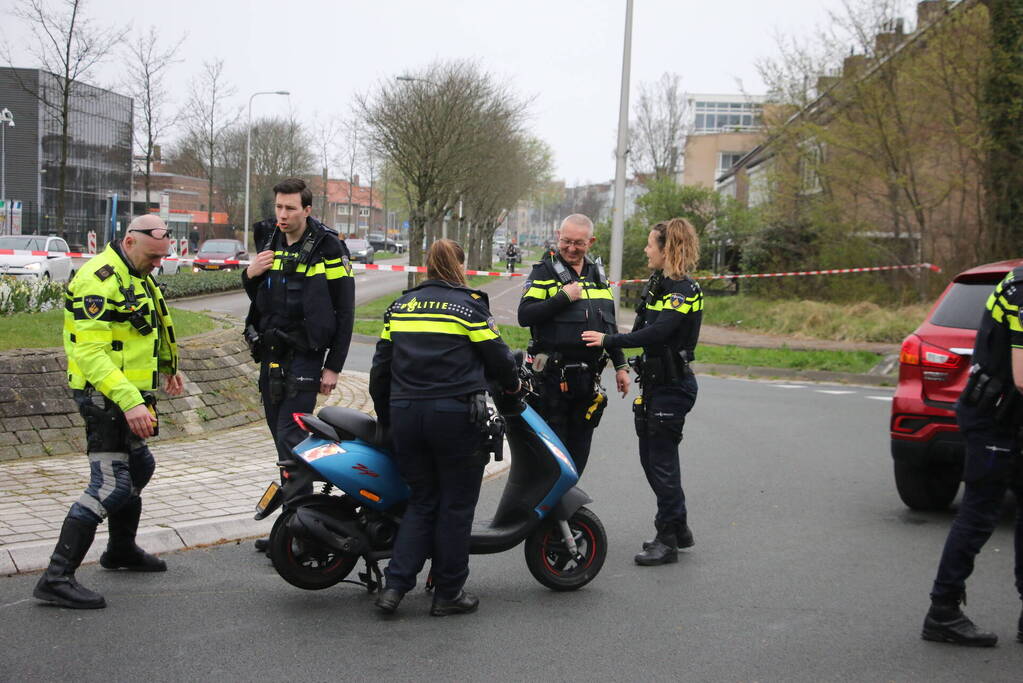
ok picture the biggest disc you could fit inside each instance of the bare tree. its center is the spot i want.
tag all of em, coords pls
(147, 67)
(68, 45)
(350, 153)
(207, 117)
(324, 136)
(435, 130)
(658, 130)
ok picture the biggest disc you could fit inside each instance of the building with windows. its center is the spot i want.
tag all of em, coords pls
(98, 173)
(721, 130)
(351, 209)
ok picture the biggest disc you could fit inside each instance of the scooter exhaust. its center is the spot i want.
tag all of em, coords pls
(319, 527)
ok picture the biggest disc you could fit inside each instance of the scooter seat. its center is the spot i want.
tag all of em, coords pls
(352, 423)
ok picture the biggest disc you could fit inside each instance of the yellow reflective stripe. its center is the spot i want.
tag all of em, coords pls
(1006, 305)
(442, 327)
(998, 314)
(310, 271)
(107, 385)
(991, 301)
(136, 376)
(445, 316)
(386, 332)
(337, 272)
(535, 293)
(1014, 323)
(597, 293)
(94, 336)
(544, 282)
(656, 306)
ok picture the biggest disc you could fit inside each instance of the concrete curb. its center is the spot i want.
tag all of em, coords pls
(801, 375)
(33, 556)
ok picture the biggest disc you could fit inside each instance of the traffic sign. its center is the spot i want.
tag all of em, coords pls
(91, 239)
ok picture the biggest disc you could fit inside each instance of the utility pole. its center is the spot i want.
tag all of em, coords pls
(618, 214)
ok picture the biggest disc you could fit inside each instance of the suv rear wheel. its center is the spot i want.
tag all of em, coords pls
(927, 488)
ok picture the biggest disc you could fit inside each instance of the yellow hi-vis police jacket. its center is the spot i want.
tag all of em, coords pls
(104, 348)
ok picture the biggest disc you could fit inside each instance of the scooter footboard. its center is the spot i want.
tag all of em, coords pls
(573, 499)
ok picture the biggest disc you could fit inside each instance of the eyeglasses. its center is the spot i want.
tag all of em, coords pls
(578, 244)
(155, 233)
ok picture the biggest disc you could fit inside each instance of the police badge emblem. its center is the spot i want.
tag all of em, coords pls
(93, 305)
(676, 300)
(492, 324)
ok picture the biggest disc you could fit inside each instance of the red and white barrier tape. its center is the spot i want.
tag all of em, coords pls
(494, 273)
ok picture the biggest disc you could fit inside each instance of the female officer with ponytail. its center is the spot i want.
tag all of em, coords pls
(438, 348)
(667, 327)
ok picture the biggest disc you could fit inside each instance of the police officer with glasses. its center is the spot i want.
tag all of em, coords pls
(566, 294)
(119, 341)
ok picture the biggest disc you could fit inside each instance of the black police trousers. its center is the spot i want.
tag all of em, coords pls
(436, 448)
(992, 467)
(565, 412)
(302, 373)
(659, 427)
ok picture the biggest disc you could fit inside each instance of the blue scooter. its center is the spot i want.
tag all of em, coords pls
(319, 537)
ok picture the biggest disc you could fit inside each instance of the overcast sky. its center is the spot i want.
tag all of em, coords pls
(566, 54)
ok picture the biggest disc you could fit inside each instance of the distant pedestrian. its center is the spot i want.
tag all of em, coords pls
(667, 327)
(990, 415)
(119, 340)
(193, 240)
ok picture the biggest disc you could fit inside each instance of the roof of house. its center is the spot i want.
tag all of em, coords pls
(337, 193)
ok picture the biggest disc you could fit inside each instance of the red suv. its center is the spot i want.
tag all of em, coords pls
(934, 364)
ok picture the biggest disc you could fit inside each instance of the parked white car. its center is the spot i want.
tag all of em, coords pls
(56, 265)
(170, 267)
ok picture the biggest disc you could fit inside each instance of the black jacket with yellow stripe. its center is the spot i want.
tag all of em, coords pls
(556, 322)
(1001, 329)
(104, 348)
(668, 321)
(315, 299)
(439, 340)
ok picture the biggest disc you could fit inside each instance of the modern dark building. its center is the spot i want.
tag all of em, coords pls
(99, 154)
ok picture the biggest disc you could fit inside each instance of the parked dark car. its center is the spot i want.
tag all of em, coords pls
(382, 243)
(934, 364)
(361, 250)
(220, 250)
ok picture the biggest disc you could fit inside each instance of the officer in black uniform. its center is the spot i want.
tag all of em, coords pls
(990, 414)
(300, 321)
(437, 349)
(566, 294)
(667, 327)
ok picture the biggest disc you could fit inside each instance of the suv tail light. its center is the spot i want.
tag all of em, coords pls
(916, 352)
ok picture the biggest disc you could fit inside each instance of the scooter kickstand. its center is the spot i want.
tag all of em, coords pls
(372, 578)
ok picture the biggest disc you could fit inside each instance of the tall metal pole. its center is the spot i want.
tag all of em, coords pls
(6, 119)
(618, 215)
(248, 152)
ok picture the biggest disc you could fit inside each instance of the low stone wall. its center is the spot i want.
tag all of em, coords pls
(39, 418)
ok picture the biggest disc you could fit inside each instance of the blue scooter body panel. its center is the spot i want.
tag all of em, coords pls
(569, 475)
(358, 469)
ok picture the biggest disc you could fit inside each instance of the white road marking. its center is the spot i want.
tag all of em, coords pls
(880, 398)
(834, 392)
(790, 386)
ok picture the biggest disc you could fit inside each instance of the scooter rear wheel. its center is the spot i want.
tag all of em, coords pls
(548, 558)
(303, 564)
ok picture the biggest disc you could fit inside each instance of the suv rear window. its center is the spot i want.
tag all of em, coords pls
(963, 306)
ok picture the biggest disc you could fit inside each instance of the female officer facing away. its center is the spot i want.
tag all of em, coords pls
(437, 349)
(667, 327)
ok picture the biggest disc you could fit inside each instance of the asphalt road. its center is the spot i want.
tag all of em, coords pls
(806, 567)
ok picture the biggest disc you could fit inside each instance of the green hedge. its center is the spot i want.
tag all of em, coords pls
(186, 283)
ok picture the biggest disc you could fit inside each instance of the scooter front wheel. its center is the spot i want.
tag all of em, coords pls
(305, 564)
(550, 561)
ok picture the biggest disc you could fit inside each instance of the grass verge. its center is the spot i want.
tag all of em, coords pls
(43, 330)
(862, 322)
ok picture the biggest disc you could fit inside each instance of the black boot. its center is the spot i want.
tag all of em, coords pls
(122, 553)
(388, 600)
(463, 603)
(685, 539)
(663, 550)
(58, 584)
(946, 623)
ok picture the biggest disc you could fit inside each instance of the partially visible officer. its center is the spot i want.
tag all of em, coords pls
(300, 321)
(119, 340)
(990, 414)
(566, 294)
(667, 327)
(428, 382)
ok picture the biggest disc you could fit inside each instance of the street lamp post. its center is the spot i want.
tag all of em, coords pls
(618, 214)
(6, 119)
(248, 151)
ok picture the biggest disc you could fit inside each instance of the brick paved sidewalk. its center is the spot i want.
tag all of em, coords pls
(204, 490)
